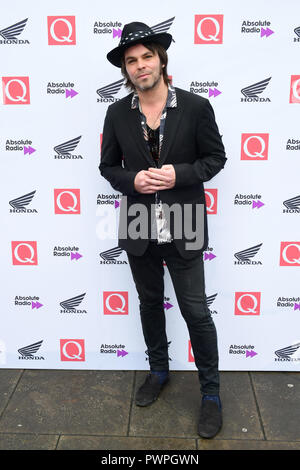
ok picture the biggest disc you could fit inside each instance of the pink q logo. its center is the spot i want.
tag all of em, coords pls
(115, 303)
(24, 253)
(208, 29)
(290, 254)
(247, 303)
(67, 201)
(295, 89)
(211, 200)
(255, 146)
(72, 350)
(16, 90)
(61, 31)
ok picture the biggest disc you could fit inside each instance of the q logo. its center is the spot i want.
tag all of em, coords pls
(115, 303)
(295, 89)
(24, 253)
(211, 200)
(208, 29)
(67, 201)
(72, 350)
(290, 254)
(61, 31)
(16, 90)
(255, 146)
(247, 303)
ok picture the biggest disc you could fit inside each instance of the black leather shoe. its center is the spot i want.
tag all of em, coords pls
(210, 420)
(149, 391)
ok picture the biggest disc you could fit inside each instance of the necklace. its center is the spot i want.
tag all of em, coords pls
(157, 117)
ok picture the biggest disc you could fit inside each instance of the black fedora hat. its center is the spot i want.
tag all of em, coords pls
(135, 33)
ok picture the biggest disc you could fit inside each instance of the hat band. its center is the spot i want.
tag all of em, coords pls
(133, 36)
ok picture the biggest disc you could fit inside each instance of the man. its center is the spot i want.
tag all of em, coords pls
(159, 145)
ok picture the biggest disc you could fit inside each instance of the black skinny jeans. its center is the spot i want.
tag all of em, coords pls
(188, 281)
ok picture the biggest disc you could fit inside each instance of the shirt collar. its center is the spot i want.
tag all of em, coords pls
(171, 99)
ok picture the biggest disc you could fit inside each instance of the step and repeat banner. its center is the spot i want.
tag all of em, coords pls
(67, 297)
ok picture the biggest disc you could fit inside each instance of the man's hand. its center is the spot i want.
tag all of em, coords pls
(155, 179)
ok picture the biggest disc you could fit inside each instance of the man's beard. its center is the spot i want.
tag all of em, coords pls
(149, 86)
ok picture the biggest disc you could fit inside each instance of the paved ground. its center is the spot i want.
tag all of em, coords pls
(94, 410)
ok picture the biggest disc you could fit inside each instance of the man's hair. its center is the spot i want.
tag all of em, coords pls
(154, 48)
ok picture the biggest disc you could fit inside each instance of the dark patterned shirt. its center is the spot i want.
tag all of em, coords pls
(160, 231)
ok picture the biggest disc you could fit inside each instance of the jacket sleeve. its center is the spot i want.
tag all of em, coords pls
(211, 158)
(111, 164)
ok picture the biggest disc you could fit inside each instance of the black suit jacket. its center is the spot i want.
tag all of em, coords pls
(192, 144)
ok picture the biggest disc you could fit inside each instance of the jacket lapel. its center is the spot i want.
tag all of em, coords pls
(135, 129)
(171, 128)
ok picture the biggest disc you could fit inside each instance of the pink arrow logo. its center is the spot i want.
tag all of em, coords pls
(71, 93)
(121, 353)
(117, 33)
(29, 150)
(167, 305)
(297, 307)
(36, 305)
(257, 204)
(75, 256)
(209, 256)
(250, 353)
(117, 204)
(213, 92)
(266, 32)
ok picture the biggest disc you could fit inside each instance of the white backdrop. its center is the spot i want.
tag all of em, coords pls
(65, 303)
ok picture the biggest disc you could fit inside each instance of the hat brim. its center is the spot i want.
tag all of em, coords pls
(115, 56)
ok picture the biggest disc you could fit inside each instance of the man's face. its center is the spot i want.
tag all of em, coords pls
(143, 67)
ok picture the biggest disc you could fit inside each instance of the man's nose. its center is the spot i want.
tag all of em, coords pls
(140, 63)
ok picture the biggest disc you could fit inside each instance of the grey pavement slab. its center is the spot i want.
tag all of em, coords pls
(124, 443)
(69, 402)
(8, 381)
(176, 411)
(28, 441)
(233, 444)
(278, 398)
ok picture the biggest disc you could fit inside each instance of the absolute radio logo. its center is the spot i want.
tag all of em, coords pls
(115, 303)
(208, 29)
(258, 27)
(295, 89)
(209, 87)
(289, 302)
(251, 93)
(19, 204)
(61, 30)
(293, 144)
(244, 257)
(72, 350)
(211, 200)
(254, 147)
(247, 303)
(70, 252)
(21, 145)
(289, 254)
(114, 348)
(253, 200)
(67, 201)
(64, 151)
(10, 34)
(111, 199)
(292, 205)
(32, 301)
(16, 90)
(24, 253)
(61, 88)
(246, 350)
(108, 27)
